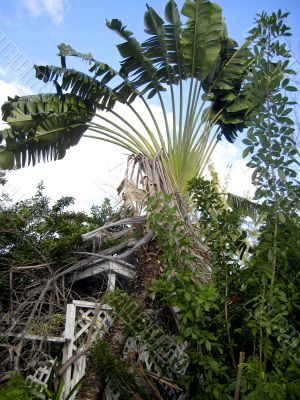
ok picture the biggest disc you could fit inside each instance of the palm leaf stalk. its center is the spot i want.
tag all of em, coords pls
(196, 55)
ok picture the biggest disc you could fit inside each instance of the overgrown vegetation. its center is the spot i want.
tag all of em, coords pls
(241, 329)
(227, 331)
(38, 240)
(19, 388)
(115, 372)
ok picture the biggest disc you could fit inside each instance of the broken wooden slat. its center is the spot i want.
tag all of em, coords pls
(105, 266)
(35, 337)
(126, 221)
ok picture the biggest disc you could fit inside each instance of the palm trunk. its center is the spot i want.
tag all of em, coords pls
(92, 385)
(134, 199)
(138, 289)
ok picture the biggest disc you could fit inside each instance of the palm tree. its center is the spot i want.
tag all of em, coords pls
(194, 66)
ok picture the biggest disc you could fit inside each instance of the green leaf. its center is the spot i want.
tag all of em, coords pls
(208, 345)
(135, 63)
(43, 127)
(187, 296)
(243, 205)
(281, 174)
(201, 38)
(285, 82)
(247, 141)
(291, 88)
(75, 388)
(238, 105)
(281, 217)
(246, 151)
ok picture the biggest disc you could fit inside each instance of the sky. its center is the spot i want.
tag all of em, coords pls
(29, 33)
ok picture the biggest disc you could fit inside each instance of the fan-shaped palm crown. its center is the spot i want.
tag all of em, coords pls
(191, 67)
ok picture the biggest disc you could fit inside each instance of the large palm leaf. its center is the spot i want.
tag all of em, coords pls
(194, 62)
(42, 127)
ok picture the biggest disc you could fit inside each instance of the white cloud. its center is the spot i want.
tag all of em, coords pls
(93, 169)
(90, 171)
(54, 8)
(3, 72)
(10, 89)
(233, 173)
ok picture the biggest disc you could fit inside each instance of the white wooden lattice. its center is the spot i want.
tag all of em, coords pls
(171, 358)
(151, 362)
(110, 394)
(78, 319)
(173, 354)
(40, 377)
(79, 315)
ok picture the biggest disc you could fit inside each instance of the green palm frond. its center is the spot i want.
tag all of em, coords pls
(136, 64)
(160, 46)
(42, 128)
(194, 54)
(244, 205)
(173, 34)
(224, 87)
(201, 37)
(79, 84)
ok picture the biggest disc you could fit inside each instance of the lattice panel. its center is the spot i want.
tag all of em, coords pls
(82, 324)
(174, 353)
(159, 359)
(78, 320)
(40, 377)
(109, 394)
(139, 349)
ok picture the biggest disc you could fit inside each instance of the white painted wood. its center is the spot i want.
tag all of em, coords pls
(70, 321)
(41, 377)
(68, 347)
(79, 317)
(89, 304)
(111, 281)
(104, 267)
(109, 394)
(35, 337)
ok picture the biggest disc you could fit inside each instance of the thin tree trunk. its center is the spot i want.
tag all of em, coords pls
(239, 377)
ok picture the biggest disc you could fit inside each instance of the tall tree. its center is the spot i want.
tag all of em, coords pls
(190, 63)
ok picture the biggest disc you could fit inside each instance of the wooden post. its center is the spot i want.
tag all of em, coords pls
(111, 281)
(68, 347)
(239, 377)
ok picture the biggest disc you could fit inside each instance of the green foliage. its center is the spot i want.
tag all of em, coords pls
(270, 141)
(116, 372)
(42, 127)
(34, 231)
(18, 388)
(151, 332)
(238, 309)
(187, 61)
(54, 388)
(272, 276)
(101, 213)
(54, 324)
(201, 305)
(46, 232)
